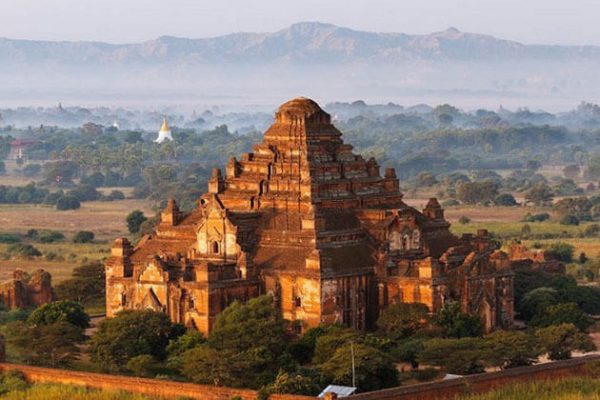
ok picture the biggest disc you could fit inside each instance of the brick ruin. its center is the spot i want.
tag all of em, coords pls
(305, 219)
(24, 291)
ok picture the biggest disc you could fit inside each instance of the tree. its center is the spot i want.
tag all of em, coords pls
(50, 345)
(402, 320)
(178, 346)
(457, 356)
(540, 194)
(509, 349)
(130, 334)
(457, 324)
(327, 344)
(506, 200)
(60, 311)
(579, 207)
(87, 284)
(250, 339)
(135, 220)
(143, 365)
(408, 350)
(85, 193)
(206, 365)
(565, 313)
(67, 202)
(294, 383)
(569, 220)
(477, 192)
(559, 341)
(561, 251)
(373, 369)
(536, 301)
(83, 237)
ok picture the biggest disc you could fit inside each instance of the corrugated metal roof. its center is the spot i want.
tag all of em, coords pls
(341, 391)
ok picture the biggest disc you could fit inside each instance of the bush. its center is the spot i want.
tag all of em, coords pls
(536, 217)
(569, 220)
(60, 311)
(50, 236)
(85, 193)
(505, 199)
(67, 202)
(21, 250)
(134, 221)
(464, 220)
(561, 251)
(9, 238)
(83, 237)
(115, 195)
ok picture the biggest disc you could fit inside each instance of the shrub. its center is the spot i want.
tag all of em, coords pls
(561, 251)
(505, 199)
(67, 202)
(464, 220)
(50, 236)
(60, 311)
(536, 217)
(23, 251)
(9, 238)
(135, 220)
(569, 219)
(83, 237)
(450, 203)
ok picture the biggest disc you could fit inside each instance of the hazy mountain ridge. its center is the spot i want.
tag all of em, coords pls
(312, 59)
(300, 43)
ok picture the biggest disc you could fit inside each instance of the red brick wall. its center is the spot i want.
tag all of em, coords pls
(427, 391)
(151, 387)
(482, 382)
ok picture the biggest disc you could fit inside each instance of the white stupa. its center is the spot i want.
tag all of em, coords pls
(164, 133)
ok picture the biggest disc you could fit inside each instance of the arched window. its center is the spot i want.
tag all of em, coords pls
(215, 247)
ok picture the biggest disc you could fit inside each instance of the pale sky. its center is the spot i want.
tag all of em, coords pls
(118, 21)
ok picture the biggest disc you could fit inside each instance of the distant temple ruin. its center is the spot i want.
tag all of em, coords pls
(25, 291)
(305, 219)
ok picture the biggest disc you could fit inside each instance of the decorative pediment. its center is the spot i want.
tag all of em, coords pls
(151, 301)
(153, 271)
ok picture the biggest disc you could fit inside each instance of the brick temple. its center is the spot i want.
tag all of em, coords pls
(305, 219)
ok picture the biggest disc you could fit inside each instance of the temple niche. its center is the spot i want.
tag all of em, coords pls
(305, 219)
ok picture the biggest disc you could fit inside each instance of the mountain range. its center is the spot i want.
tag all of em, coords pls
(320, 58)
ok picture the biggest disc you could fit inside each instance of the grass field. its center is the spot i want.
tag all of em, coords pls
(72, 255)
(105, 219)
(564, 389)
(63, 392)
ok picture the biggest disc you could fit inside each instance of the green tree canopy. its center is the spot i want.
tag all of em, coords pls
(373, 369)
(509, 349)
(457, 356)
(402, 320)
(60, 311)
(559, 341)
(134, 221)
(130, 334)
(457, 324)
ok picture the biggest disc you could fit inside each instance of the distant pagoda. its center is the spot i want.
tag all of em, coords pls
(165, 132)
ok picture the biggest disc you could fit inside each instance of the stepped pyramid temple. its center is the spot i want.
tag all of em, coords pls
(305, 219)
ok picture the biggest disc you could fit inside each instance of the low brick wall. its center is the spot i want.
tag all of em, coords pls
(481, 383)
(427, 391)
(151, 387)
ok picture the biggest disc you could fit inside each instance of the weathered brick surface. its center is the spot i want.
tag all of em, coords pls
(482, 382)
(151, 387)
(428, 391)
